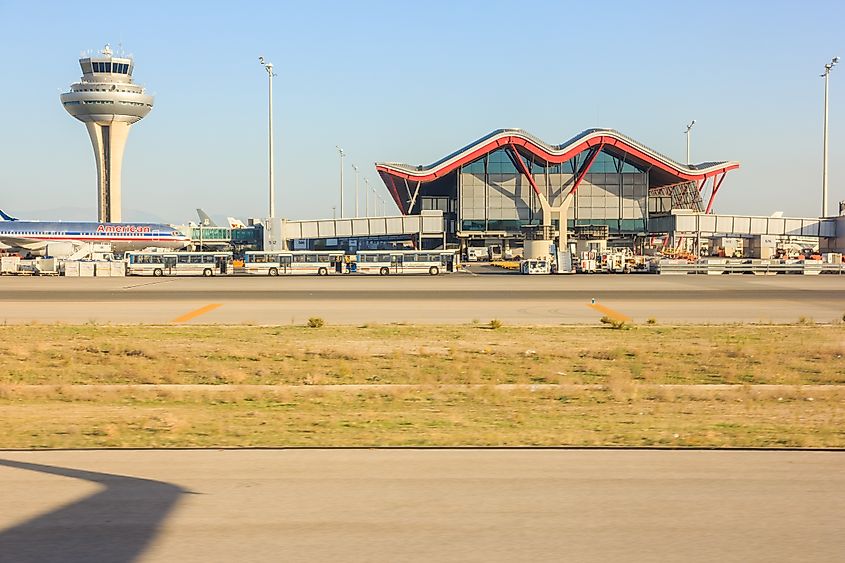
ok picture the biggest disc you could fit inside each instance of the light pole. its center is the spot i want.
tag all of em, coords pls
(373, 190)
(826, 76)
(269, 68)
(383, 209)
(342, 154)
(367, 196)
(688, 134)
(355, 168)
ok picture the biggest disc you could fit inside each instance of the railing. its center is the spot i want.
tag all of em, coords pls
(762, 267)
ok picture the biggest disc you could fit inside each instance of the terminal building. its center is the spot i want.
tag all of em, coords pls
(506, 183)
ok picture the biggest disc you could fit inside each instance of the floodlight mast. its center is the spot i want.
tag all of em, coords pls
(355, 168)
(688, 134)
(342, 155)
(366, 197)
(268, 66)
(827, 68)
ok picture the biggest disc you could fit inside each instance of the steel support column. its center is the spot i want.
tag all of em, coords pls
(585, 168)
(716, 186)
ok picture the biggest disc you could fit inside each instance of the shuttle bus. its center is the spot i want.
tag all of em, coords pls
(178, 263)
(285, 263)
(386, 262)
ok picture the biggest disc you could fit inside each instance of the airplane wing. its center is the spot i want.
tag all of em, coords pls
(23, 242)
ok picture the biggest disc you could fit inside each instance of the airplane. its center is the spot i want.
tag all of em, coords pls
(205, 220)
(62, 238)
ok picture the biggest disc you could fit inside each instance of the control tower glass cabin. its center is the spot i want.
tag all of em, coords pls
(107, 102)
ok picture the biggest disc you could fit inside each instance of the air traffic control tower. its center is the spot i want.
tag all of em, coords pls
(107, 102)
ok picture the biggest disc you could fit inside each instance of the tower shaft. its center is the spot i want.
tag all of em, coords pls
(108, 141)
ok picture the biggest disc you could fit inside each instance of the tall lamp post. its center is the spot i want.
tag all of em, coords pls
(383, 208)
(375, 211)
(688, 134)
(826, 76)
(355, 168)
(269, 68)
(367, 196)
(342, 154)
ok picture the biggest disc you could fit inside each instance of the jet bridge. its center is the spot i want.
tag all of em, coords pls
(685, 222)
(426, 226)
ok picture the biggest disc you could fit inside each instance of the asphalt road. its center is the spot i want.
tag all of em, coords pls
(421, 505)
(456, 298)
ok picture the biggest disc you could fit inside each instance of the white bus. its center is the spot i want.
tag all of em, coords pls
(178, 263)
(294, 262)
(386, 262)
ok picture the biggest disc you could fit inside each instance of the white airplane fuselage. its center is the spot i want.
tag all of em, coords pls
(36, 237)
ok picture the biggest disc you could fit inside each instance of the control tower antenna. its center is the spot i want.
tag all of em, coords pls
(107, 102)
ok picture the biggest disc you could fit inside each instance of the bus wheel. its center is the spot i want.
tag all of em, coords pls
(384, 272)
(434, 270)
(207, 272)
(273, 272)
(158, 273)
(322, 272)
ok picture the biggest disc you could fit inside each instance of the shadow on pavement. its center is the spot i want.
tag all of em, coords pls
(116, 524)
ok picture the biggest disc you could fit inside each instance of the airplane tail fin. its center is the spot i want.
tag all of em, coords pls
(7, 217)
(205, 220)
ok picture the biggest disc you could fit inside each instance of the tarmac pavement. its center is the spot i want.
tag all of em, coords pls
(444, 299)
(489, 505)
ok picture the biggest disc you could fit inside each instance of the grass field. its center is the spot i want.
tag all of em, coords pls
(655, 386)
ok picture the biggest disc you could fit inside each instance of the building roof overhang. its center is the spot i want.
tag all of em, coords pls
(670, 170)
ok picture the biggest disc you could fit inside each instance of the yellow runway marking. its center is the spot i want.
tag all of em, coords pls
(196, 313)
(610, 312)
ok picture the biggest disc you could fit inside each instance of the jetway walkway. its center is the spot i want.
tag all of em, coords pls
(428, 225)
(742, 225)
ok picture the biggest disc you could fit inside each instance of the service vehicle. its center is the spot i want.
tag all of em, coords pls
(535, 266)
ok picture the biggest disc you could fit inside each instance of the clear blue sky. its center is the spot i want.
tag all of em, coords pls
(392, 81)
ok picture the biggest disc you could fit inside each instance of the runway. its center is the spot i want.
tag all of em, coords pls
(446, 299)
(421, 505)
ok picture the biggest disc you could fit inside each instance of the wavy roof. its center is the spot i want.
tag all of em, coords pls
(609, 138)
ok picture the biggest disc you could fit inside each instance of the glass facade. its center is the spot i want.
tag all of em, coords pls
(495, 196)
(119, 68)
(210, 233)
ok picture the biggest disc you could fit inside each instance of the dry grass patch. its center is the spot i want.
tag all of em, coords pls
(409, 354)
(636, 368)
(622, 416)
